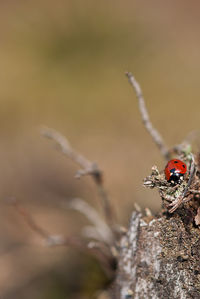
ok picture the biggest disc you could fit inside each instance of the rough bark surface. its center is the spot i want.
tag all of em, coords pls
(159, 258)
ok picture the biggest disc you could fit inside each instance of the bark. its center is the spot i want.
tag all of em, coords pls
(159, 258)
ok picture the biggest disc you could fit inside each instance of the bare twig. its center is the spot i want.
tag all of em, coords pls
(194, 191)
(191, 136)
(148, 212)
(87, 168)
(197, 217)
(28, 219)
(137, 207)
(192, 173)
(100, 251)
(100, 230)
(67, 150)
(145, 117)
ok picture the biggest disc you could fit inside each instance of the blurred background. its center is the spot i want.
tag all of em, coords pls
(62, 65)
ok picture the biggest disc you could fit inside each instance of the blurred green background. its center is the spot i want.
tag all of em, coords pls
(62, 65)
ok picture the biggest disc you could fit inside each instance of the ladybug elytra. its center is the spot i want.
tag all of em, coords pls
(174, 171)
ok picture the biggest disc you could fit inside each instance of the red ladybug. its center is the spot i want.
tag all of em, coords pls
(174, 171)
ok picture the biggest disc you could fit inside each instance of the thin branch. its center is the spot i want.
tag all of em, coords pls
(101, 252)
(145, 117)
(28, 219)
(194, 191)
(148, 212)
(191, 136)
(67, 150)
(197, 217)
(192, 173)
(101, 229)
(87, 168)
(137, 207)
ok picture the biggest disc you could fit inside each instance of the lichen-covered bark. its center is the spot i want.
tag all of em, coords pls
(159, 258)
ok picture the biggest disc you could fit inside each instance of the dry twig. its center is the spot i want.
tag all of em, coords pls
(87, 168)
(197, 217)
(97, 249)
(99, 230)
(145, 117)
(194, 191)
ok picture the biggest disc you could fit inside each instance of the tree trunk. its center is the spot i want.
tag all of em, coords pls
(159, 258)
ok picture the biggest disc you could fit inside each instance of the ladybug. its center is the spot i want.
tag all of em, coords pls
(174, 171)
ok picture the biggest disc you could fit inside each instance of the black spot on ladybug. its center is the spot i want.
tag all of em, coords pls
(183, 166)
(175, 161)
